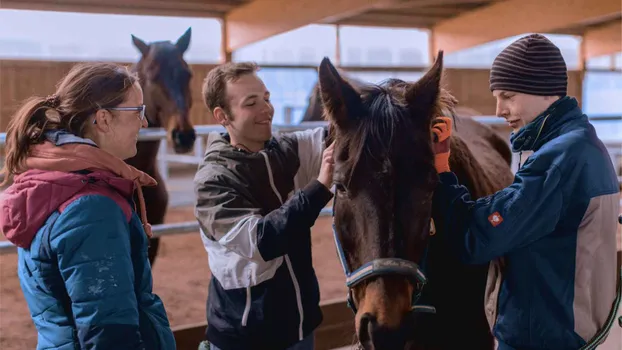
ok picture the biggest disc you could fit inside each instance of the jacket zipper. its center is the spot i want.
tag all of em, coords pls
(247, 307)
(287, 261)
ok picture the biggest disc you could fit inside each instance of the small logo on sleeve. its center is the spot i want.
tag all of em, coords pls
(495, 219)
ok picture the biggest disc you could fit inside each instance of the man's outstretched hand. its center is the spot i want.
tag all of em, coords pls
(441, 130)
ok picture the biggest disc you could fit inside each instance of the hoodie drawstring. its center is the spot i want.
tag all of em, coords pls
(143, 210)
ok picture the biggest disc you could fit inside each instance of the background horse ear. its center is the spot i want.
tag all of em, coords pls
(423, 96)
(341, 101)
(184, 41)
(140, 45)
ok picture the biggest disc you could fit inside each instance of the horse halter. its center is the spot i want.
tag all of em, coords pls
(384, 266)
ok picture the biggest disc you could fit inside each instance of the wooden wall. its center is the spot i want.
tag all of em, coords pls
(22, 79)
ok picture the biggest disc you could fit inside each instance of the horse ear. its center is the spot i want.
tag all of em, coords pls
(140, 45)
(423, 96)
(184, 41)
(340, 100)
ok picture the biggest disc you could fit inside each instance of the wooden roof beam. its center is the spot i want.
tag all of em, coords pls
(514, 17)
(207, 8)
(261, 19)
(603, 40)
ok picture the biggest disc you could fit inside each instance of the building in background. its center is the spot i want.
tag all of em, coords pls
(52, 36)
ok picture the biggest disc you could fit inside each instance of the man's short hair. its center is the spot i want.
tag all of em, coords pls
(215, 83)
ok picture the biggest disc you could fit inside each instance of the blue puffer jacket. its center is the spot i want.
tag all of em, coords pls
(82, 261)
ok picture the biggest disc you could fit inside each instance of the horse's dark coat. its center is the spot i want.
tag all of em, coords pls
(385, 176)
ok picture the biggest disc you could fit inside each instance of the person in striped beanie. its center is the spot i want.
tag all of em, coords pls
(550, 237)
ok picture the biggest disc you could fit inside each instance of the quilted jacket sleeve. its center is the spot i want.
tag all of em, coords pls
(92, 244)
(490, 227)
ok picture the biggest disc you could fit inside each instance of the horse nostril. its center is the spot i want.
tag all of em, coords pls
(367, 327)
(374, 336)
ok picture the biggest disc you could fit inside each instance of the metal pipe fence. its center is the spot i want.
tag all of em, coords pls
(155, 134)
(162, 230)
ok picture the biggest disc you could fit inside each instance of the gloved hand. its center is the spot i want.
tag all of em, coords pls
(441, 129)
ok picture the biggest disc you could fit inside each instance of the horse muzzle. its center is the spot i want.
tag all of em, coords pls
(183, 140)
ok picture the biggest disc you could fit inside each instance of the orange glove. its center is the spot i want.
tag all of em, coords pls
(441, 129)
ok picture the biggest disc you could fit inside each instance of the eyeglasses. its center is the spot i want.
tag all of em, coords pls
(140, 109)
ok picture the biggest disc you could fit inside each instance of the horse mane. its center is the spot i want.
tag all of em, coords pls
(379, 128)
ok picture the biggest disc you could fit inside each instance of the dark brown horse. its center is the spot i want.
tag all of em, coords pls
(398, 267)
(165, 79)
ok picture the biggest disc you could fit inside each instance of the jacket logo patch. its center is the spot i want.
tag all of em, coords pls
(495, 219)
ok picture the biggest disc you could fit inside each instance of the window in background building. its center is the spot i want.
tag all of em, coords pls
(303, 46)
(602, 91)
(290, 89)
(605, 62)
(376, 46)
(482, 56)
(601, 97)
(68, 36)
(600, 62)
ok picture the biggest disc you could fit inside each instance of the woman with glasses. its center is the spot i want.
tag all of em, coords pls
(82, 248)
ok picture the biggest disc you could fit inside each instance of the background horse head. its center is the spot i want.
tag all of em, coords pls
(385, 177)
(165, 78)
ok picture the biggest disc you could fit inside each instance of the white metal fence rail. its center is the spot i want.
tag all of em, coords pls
(164, 158)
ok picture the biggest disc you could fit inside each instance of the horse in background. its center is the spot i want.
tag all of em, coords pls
(384, 179)
(165, 79)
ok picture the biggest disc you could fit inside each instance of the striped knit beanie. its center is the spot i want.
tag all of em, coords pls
(531, 65)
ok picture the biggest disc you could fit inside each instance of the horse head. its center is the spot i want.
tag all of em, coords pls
(165, 77)
(384, 177)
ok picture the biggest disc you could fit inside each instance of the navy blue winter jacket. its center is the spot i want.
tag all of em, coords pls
(552, 234)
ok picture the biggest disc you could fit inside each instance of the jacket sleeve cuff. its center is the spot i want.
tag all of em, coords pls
(318, 195)
(448, 178)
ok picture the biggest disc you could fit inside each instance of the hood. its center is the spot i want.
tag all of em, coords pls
(36, 194)
(49, 179)
(219, 146)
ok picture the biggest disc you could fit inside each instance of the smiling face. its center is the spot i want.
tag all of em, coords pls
(520, 109)
(117, 131)
(249, 112)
